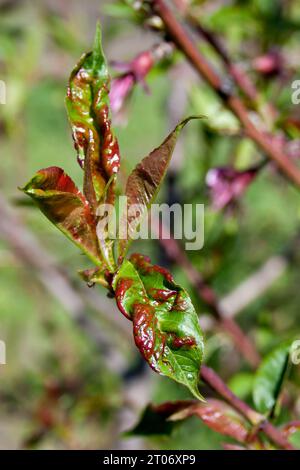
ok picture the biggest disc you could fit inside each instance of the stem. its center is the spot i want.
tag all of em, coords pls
(183, 41)
(216, 383)
(238, 76)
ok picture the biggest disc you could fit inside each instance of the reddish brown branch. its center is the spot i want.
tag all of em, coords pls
(237, 74)
(183, 41)
(216, 383)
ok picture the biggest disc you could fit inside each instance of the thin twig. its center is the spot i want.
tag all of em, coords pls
(183, 41)
(216, 383)
(238, 75)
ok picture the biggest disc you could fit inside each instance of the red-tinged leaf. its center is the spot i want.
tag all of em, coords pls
(165, 325)
(143, 185)
(64, 205)
(216, 414)
(88, 109)
(97, 147)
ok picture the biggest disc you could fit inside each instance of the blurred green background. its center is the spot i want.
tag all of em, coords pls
(57, 390)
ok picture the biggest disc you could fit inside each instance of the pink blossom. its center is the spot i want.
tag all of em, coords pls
(268, 64)
(131, 73)
(226, 184)
(120, 89)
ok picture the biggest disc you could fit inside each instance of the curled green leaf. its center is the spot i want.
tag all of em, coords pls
(165, 325)
(97, 147)
(88, 109)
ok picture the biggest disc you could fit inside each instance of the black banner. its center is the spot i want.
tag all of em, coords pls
(144, 458)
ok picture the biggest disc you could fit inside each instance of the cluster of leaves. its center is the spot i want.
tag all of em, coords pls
(165, 324)
(235, 242)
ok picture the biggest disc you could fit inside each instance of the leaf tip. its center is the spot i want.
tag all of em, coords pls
(188, 119)
(98, 54)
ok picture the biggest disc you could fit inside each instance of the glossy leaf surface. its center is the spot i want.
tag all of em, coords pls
(165, 324)
(96, 145)
(88, 109)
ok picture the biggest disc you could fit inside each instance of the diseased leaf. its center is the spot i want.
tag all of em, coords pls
(216, 414)
(97, 147)
(143, 185)
(165, 325)
(269, 379)
(64, 205)
(88, 109)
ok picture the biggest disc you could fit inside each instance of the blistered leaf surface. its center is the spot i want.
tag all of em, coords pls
(165, 324)
(64, 205)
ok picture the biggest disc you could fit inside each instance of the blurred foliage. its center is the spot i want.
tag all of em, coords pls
(55, 389)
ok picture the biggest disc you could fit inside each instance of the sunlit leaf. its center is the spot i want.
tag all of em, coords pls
(64, 205)
(165, 324)
(96, 145)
